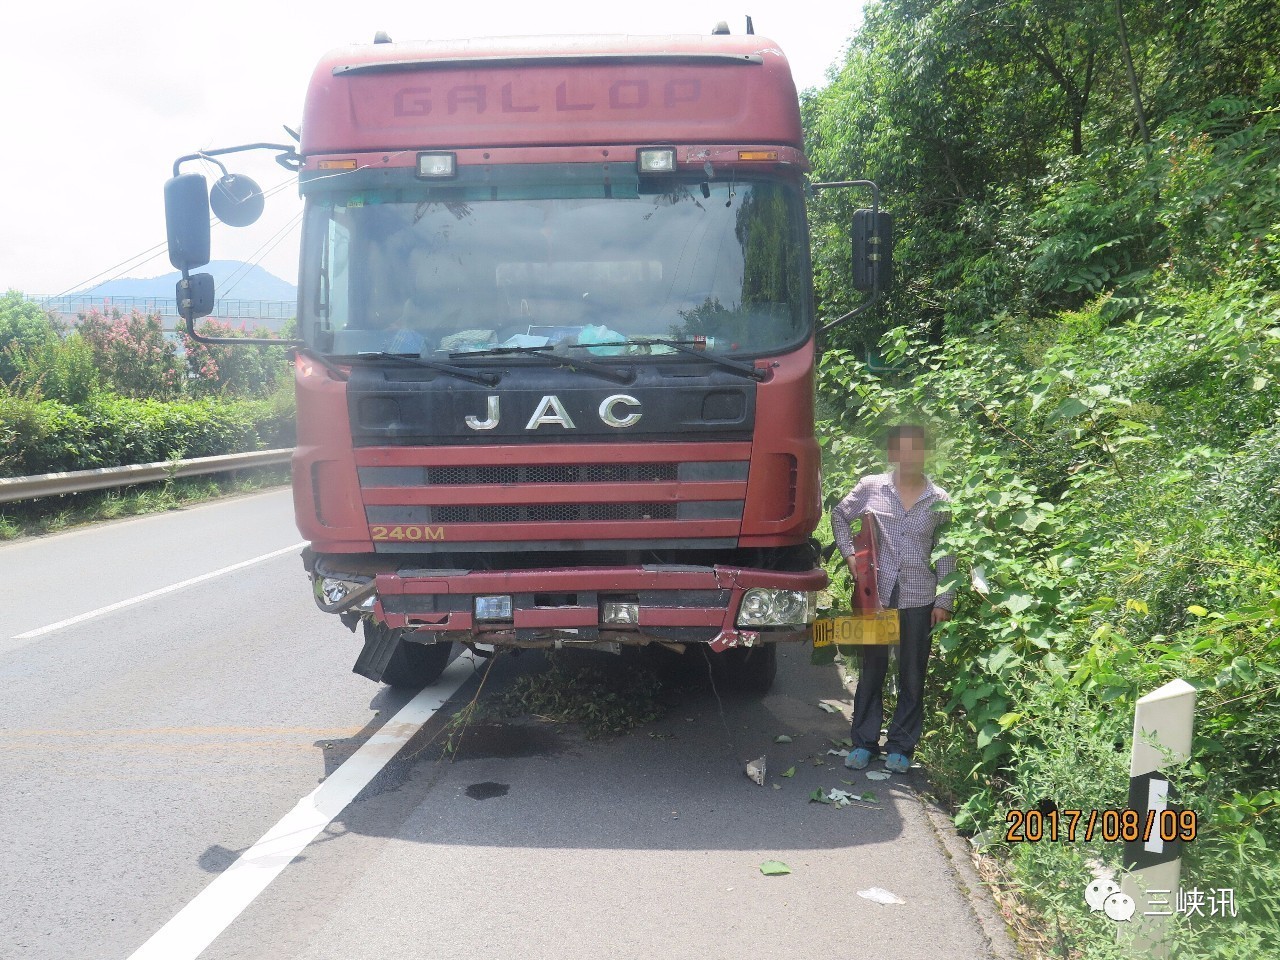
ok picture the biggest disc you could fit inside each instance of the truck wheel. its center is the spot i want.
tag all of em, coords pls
(748, 669)
(407, 664)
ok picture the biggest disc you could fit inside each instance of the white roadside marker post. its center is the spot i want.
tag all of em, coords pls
(1162, 724)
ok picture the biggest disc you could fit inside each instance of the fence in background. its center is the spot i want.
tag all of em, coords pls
(268, 313)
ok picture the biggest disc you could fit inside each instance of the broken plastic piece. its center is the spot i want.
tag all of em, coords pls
(755, 770)
(877, 775)
(880, 895)
(782, 738)
(789, 772)
(774, 868)
(728, 638)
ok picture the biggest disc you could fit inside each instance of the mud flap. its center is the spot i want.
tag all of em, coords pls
(379, 647)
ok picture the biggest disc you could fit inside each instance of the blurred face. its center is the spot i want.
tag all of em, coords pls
(909, 455)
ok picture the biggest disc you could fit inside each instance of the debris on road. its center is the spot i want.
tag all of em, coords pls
(789, 772)
(776, 868)
(880, 895)
(835, 797)
(877, 775)
(755, 770)
(782, 738)
(837, 753)
(843, 708)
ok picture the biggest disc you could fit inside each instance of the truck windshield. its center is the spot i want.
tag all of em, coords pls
(422, 271)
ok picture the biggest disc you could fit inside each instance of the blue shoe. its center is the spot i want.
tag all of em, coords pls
(897, 763)
(858, 759)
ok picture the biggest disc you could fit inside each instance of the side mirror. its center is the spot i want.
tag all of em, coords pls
(236, 200)
(186, 216)
(195, 296)
(872, 251)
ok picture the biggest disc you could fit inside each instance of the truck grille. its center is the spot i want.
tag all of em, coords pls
(551, 512)
(453, 506)
(552, 473)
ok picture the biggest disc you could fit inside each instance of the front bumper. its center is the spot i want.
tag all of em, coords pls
(675, 604)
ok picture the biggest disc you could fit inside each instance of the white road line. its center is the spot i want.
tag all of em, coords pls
(143, 598)
(196, 925)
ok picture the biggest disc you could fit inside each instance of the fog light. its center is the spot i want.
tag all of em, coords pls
(493, 608)
(661, 160)
(763, 607)
(619, 611)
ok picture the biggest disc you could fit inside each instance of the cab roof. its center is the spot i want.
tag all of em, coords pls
(551, 91)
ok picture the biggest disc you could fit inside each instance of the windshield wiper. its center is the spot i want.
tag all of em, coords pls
(686, 346)
(413, 360)
(545, 353)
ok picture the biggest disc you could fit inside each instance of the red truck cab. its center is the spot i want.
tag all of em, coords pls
(556, 379)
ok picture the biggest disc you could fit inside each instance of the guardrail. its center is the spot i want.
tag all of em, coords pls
(80, 481)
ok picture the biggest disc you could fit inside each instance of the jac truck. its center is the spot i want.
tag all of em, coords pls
(555, 366)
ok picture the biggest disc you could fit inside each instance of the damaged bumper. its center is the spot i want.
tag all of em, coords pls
(663, 603)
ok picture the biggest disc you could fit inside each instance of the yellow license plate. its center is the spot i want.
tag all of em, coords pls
(857, 629)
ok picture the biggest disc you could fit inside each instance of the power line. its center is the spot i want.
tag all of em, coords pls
(244, 269)
(144, 257)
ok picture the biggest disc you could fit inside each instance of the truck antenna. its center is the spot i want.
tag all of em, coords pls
(382, 37)
(750, 26)
(721, 29)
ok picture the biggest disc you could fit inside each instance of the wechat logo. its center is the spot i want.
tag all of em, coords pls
(1105, 896)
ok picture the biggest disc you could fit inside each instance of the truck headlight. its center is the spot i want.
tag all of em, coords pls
(333, 590)
(762, 607)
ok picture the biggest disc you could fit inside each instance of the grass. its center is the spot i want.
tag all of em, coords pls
(55, 514)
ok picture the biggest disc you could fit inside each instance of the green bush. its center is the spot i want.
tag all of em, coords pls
(1106, 396)
(229, 369)
(60, 368)
(42, 436)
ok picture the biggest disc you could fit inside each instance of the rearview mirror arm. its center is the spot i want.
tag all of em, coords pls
(287, 156)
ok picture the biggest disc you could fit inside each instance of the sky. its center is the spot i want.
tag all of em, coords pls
(100, 98)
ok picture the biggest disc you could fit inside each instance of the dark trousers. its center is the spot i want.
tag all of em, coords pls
(868, 698)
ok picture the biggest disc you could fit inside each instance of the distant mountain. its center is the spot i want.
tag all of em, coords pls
(250, 283)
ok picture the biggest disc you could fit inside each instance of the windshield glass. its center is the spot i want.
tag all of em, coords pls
(427, 271)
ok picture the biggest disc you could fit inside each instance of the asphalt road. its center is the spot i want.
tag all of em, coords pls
(147, 746)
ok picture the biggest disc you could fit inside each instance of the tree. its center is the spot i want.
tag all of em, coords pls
(24, 326)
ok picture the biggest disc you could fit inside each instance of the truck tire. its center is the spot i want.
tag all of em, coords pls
(408, 665)
(748, 669)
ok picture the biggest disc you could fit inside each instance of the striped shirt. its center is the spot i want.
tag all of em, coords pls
(905, 539)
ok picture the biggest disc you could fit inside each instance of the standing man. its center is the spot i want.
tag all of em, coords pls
(904, 505)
